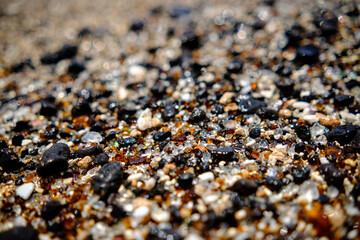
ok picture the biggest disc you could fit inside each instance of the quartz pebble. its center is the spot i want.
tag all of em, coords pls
(25, 190)
(144, 121)
(91, 137)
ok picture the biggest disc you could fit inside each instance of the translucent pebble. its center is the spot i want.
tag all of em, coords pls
(317, 130)
(92, 137)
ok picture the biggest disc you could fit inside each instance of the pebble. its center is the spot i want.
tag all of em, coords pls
(144, 121)
(206, 177)
(135, 133)
(222, 153)
(197, 115)
(17, 139)
(25, 190)
(300, 105)
(160, 216)
(108, 179)
(169, 113)
(81, 108)
(126, 142)
(326, 120)
(85, 162)
(255, 132)
(9, 161)
(185, 180)
(308, 54)
(51, 209)
(67, 51)
(138, 215)
(20, 233)
(88, 151)
(54, 160)
(248, 105)
(303, 132)
(227, 98)
(156, 122)
(240, 132)
(343, 100)
(48, 109)
(311, 119)
(161, 136)
(343, 133)
(244, 187)
(92, 137)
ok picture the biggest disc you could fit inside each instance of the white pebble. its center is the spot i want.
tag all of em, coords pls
(25, 142)
(160, 216)
(144, 121)
(91, 137)
(138, 215)
(311, 118)
(300, 105)
(208, 176)
(25, 190)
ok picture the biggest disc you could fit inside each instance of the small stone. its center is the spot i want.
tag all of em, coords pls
(118, 212)
(244, 187)
(48, 109)
(144, 120)
(326, 120)
(54, 160)
(101, 159)
(156, 122)
(160, 216)
(169, 112)
(286, 86)
(303, 132)
(300, 105)
(343, 100)
(310, 118)
(17, 139)
(76, 67)
(20, 233)
(267, 113)
(343, 133)
(85, 162)
(255, 132)
(161, 136)
(218, 109)
(138, 215)
(88, 151)
(301, 174)
(137, 25)
(333, 175)
(206, 177)
(126, 142)
(67, 51)
(308, 54)
(274, 183)
(222, 153)
(197, 115)
(51, 209)
(9, 161)
(3, 144)
(231, 107)
(108, 179)
(185, 180)
(135, 133)
(190, 40)
(240, 132)
(248, 105)
(25, 190)
(235, 66)
(227, 98)
(92, 137)
(285, 113)
(81, 108)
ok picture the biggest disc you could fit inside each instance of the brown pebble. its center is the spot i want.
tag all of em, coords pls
(85, 162)
(326, 120)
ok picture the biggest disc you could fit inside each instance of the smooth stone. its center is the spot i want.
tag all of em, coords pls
(24, 191)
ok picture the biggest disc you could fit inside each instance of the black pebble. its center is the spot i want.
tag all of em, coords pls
(308, 54)
(300, 147)
(67, 51)
(190, 40)
(19, 233)
(286, 86)
(248, 105)
(267, 113)
(110, 135)
(76, 67)
(197, 115)
(21, 126)
(185, 180)
(303, 132)
(89, 151)
(225, 153)
(118, 212)
(54, 160)
(108, 179)
(343, 100)
(244, 187)
(137, 25)
(3, 144)
(301, 174)
(126, 142)
(9, 161)
(235, 66)
(169, 112)
(19, 67)
(333, 175)
(217, 109)
(81, 108)
(158, 90)
(343, 133)
(274, 183)
(163, 234)
(84, 32)
(323, 199)
(101, 159)
(50, 209)
(48, 109)
(179, 11)
(255, 132)
(161, 136)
